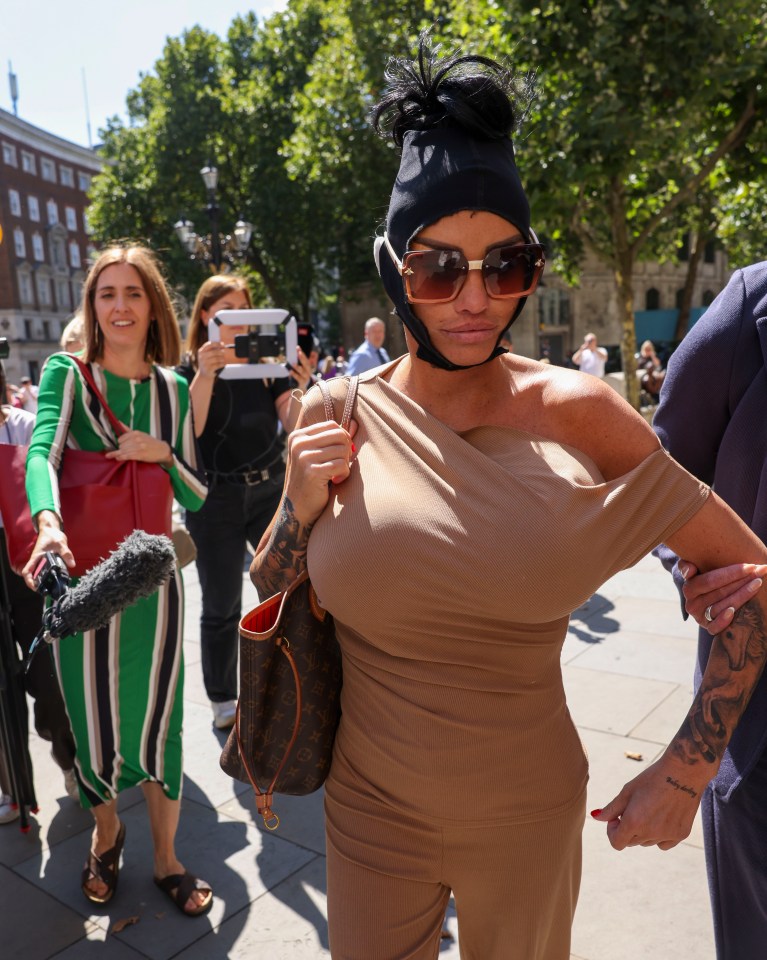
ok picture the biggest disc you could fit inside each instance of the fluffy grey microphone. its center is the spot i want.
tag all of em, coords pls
(136, 569)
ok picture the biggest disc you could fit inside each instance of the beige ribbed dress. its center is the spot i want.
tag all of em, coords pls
(451, 563)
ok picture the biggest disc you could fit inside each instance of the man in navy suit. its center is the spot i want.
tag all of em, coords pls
(712, 418)
(371, 353)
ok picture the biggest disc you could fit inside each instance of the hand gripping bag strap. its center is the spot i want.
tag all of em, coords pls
(280, 602)
(20, 532)
(147, 493)
(351, 396)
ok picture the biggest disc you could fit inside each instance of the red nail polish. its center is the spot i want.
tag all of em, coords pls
(354, 449)
(596, 813)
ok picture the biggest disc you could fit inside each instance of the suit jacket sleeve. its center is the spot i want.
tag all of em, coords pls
(695, 400)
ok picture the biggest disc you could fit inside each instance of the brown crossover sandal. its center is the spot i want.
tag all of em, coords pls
(180, 886)
(105, 868)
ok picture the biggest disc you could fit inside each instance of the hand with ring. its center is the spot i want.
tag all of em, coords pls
(712, 598)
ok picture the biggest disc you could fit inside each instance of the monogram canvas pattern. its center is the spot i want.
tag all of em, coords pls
(276, 675)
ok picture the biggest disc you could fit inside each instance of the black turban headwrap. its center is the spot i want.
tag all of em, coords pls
(442, 171)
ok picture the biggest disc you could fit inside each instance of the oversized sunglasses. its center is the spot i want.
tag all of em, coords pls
(437, 276)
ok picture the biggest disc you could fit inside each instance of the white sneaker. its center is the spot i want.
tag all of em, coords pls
(70, 785)
(8, 812)
(224, 714)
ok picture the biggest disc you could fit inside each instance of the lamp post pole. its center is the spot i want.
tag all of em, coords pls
(215, 249)
(210, 178)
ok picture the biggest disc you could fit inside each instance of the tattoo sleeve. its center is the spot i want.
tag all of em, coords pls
(283, 558)
(735, 664)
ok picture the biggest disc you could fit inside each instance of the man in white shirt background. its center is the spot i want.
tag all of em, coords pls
(590, 357)
(28, 395)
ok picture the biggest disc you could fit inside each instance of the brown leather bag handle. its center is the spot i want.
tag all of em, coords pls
(264, 797)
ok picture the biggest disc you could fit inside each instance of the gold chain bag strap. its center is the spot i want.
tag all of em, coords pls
(290, 686)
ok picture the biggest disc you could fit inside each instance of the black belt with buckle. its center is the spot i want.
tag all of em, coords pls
(250, 478)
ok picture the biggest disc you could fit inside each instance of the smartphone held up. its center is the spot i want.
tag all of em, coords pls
(268, 346)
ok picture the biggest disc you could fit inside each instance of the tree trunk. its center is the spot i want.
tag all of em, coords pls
(696, 253)
(623, 281)
(623, 265)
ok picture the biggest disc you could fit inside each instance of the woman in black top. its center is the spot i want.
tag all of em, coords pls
(237, 423)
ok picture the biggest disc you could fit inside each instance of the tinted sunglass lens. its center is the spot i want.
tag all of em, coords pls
(436, 274)
(508, 271)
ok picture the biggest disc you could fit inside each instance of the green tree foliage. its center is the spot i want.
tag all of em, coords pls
(230, 103)
(643, 108)
(649, 124)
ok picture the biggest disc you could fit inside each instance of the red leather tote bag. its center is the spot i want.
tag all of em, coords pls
(102, 500)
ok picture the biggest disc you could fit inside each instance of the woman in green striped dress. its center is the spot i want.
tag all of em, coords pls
(123, 684)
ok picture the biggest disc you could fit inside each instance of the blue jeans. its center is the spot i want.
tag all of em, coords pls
(232, 516)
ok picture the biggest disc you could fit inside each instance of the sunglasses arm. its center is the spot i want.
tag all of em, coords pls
(393, 255)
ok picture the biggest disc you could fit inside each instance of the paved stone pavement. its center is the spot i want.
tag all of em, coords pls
(628, 664)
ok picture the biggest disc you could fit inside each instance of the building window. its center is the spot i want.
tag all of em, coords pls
(48, 169)
(66, 176)
(18, 242)
(28, 164)
(44, 291)
(38, 249)
(62, 295)
(84, 181)
(708, 252)
(70, 215)
(708, 297)
(9, 155)
(679, 298)
(27, 329)
(58, 251)
(52, 209)
(46, 330)
(74, 255)
(652, 299)
(34, 209)
(25, 287)
(553, 307)
(15, 201)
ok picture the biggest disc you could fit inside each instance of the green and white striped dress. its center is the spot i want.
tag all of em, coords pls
(122, 684)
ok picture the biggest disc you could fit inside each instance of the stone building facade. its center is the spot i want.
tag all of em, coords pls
(44, 246)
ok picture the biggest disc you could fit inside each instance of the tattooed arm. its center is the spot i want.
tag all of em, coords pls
(318, 455)
(659, 806)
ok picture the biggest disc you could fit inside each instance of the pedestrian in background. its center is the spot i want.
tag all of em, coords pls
(123, 684)
(371, 353)
(26, 614)
(650, 370)
(28, 394)
(590, 357)
(72, 335)
(238, 424)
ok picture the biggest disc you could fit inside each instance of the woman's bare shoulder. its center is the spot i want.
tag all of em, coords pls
(588, 414)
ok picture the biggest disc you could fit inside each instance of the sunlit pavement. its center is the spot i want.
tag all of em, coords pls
(628, 664)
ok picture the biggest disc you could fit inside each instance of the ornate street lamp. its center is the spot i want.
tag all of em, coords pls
(214, 249)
